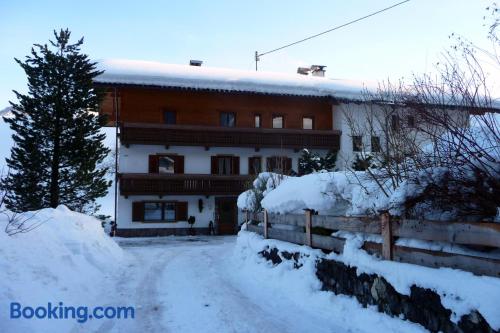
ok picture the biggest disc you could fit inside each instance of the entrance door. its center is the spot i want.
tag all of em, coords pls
(226, 215)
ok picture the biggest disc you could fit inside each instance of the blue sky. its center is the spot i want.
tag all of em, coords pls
(394, 44)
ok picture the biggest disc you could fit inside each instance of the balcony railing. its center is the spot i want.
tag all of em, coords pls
(182, 184)
(213, 136)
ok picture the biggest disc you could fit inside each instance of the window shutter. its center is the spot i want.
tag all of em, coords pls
(179, 164)
(153, 163)
(235, 165)
(137, 211)
(181, 211)
(213, 169)
(252, 162)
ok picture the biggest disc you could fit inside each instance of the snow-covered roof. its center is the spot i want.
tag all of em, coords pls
(157, 74)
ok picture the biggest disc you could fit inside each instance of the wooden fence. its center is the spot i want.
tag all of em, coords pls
(482, 234)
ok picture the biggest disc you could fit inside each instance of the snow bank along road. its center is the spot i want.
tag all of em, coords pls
(190, 284)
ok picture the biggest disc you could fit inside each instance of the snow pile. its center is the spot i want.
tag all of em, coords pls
(185, 76)
(460, 291)
(262, 185)
(68, 258)
(300, 287)
(333, 193)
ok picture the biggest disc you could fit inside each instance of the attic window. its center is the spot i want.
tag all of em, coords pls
(278, 121)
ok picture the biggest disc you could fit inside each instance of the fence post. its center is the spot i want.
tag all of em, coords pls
(388, 240)
(247, 216)
(266, 223)
(308, 240)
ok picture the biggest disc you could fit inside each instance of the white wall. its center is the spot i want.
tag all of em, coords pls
(197, 159)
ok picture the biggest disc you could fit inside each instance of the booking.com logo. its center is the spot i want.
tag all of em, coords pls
(61, 311)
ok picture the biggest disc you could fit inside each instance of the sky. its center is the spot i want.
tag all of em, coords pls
(405, 40)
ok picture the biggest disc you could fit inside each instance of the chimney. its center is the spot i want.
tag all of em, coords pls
(196, 63)
(318, 70)
(303, 70)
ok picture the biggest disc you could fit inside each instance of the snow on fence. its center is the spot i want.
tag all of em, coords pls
(300, 229)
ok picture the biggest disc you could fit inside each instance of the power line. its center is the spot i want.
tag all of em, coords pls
(257, 55)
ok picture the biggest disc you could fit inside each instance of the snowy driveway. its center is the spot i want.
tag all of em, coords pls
(181, 284)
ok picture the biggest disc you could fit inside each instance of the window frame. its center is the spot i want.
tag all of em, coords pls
(278, 115)
(354, 144)
(373, 139)
(259, 116)
(163, 211)
(312, 122)
(222, 113)
(165, 111)
(251, 166)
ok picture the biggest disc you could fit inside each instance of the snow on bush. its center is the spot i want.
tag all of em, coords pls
(264, 183)
(335, 193)
(460, 291)
(68, 258)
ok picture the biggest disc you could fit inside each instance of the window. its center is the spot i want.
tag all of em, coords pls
(162, 163)
(166, 164)
(375, 144)
(225, 165)
(357, 143)
(257, 121)
(395, 122)
(411, 121)
(169, 117)
(278, 121)
(159, 211)
(308, 123)
(254, 165)
(279, 164)
(153, 211)
(227, 119)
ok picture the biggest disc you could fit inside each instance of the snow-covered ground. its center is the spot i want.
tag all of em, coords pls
(200, 283)
(213, 284)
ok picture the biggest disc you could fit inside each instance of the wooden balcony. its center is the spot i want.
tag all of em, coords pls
(213, 136)
(182, 184)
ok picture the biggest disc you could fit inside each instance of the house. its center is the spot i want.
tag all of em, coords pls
(191, 138)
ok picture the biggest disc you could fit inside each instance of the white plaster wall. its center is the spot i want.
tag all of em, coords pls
(202, 218)
(196, 159)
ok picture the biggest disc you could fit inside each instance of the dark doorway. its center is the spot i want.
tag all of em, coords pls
(226, 215)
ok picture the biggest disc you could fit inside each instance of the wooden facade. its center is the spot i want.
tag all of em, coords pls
(203, 108)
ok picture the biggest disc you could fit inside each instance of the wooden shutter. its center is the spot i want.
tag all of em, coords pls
(137, 211)
(235, 165)
(252, 161)
(214, 169)
(154, 161)
(179, 164)
(181, 211)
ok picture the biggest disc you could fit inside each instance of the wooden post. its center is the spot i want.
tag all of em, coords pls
(266, 218)
(247, 216)
(386, 230)
(308, 224)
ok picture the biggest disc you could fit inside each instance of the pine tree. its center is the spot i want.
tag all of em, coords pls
(311, 162)
(58, 147)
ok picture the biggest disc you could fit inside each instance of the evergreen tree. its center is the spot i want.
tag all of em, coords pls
(58, 147)
(311, 162)
(363, 163)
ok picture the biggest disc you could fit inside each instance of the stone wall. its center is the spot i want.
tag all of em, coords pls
(422, 306)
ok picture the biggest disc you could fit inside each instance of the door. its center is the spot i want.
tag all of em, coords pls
(226, 215)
